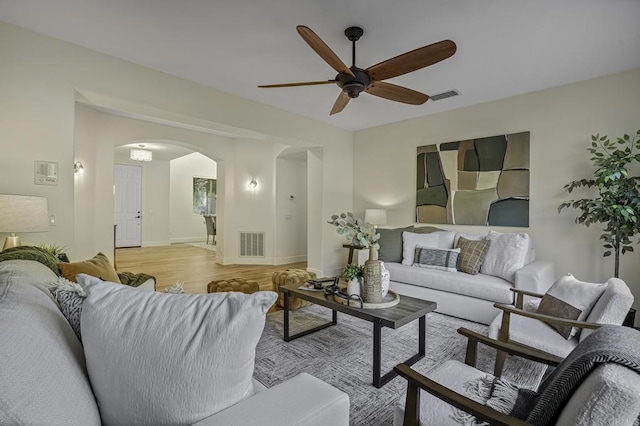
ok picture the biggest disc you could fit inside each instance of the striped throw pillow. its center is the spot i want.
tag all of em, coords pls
(435, 258)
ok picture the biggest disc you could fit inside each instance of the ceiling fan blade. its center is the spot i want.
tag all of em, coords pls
(411, 61)
(323, 50)
(396, 93)
(305, 83)
(341, 102)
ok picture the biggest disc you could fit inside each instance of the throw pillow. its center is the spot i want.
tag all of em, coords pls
(69, 296)
(391, 244)
(472, 254)
(572, 299)
(507, 253)
(98, 267)
(409, 242)
(441, 259)
(169, 359)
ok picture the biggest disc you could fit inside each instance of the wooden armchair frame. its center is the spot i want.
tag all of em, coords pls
(416, 381)
(507, 310)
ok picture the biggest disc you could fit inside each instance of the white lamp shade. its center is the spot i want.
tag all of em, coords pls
(375, 216)
(141, 155)
(20, 213)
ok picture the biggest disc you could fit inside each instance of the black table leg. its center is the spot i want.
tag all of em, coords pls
(378, 381)
(288, 337)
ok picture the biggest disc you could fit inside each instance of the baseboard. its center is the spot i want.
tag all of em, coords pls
(155, 243)
(290, 259)
(188, 240)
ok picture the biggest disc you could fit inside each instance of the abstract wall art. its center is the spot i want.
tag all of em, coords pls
(482, 181)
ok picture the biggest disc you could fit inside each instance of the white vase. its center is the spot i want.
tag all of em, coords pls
(386, 277)
(353, 286)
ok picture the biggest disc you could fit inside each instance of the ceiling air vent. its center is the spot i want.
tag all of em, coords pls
(444, 95)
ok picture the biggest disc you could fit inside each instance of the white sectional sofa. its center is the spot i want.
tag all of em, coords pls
(44, 377)
(457, 293)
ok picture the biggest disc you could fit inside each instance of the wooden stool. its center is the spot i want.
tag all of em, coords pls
(233, 284)
(291, 276)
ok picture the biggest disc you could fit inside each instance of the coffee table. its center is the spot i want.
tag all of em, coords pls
(407, 310)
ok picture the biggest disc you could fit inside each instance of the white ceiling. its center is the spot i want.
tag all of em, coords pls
(505, 47)
(161, 150)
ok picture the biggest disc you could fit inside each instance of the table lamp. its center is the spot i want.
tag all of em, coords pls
(20, 213)
(375, 216)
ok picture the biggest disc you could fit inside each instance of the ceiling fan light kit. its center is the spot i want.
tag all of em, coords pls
(354, 80)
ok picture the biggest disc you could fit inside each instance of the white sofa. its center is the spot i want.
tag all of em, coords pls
(44, 372)
(463, 295)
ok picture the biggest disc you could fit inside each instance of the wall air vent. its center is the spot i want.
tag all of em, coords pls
(444, 95)
(251, 244)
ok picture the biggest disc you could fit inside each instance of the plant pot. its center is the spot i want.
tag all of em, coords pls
(354, 286)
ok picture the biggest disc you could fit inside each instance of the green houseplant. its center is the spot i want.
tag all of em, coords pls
(617, 205)
(353, 271)
(356, 230)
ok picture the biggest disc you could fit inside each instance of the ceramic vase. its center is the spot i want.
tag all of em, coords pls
(372, 288)
(386, 278)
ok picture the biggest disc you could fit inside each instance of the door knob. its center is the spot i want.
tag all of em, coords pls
(137, 217)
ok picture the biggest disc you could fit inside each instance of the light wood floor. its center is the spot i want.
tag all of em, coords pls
(193, 266)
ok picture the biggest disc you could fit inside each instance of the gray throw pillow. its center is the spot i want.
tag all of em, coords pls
(391, 244)
(436, 258)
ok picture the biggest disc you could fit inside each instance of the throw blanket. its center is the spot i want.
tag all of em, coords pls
(609, 344)
(134, 280)
(32, 253)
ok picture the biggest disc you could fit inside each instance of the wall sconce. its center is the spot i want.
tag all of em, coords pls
(253, 184)
(78, 167)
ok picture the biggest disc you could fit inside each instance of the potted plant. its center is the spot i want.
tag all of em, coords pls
(353, 274)
(55, 249)
(617, 205)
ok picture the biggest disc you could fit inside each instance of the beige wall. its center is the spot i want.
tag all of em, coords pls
(40, 80)
(560, 120)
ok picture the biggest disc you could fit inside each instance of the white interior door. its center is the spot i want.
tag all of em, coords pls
(127, 208)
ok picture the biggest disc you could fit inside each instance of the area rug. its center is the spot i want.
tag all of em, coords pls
(342, 356)
(203, 245)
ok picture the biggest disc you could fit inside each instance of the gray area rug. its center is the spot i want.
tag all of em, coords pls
(342, 356)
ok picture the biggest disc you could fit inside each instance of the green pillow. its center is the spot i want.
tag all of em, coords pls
(391, 244)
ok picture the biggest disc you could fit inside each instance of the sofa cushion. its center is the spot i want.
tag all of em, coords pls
(572, 299)
(478, 286)
(472, 254)
(391, 244)
(43, 379)
(436, 258)
(409, 242)
(99, 267)
(507, 253)
(169, 359)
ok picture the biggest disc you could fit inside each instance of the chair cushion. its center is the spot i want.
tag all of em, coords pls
(506, 254)
(609, 395)
(611, 307)
(534, 333)
(169, 359)
(43, 379)
(433, 411)
(572, 299)
(409, 242)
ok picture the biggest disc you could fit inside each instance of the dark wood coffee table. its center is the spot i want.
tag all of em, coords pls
(407, 310)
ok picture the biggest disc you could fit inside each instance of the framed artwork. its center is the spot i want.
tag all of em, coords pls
(204, 196)
(482, 181)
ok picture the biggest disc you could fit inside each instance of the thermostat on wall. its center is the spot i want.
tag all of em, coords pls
(45, 173)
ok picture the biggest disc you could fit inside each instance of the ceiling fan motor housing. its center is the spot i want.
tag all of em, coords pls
(353, 86)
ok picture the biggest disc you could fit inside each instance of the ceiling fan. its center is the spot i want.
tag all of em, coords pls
(353, 80)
